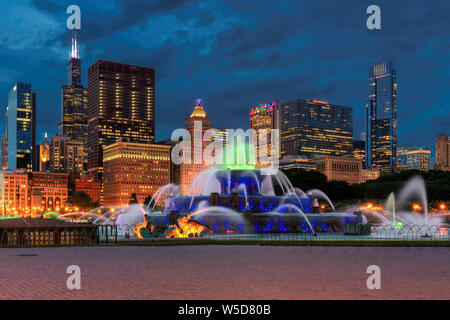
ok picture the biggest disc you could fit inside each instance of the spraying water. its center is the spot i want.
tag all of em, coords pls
(321, 195)
(415, 187)
(390, 206)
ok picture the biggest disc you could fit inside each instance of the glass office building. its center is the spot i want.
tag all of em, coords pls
(381, 118)
(316, 128)
(21, 127)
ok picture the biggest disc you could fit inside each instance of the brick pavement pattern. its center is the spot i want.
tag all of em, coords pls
(224, 272)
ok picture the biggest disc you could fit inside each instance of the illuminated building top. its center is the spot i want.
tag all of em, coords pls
(198, 112)
(262, 108)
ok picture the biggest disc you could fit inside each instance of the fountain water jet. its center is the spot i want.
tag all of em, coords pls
(316, 193)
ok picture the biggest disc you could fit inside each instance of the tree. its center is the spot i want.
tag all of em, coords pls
(81, 199)
(147, 200)
(133, 199)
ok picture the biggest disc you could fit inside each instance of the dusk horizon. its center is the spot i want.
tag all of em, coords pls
(234, 57)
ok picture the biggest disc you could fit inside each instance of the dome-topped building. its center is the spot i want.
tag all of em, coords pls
(198, 120)
(198, 112)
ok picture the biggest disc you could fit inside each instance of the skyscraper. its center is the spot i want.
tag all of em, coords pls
(442, 152)
(74, 101)
(186, 172)
(265, 117)
(121, 104)
(381, 118)
(21, 127)
(313, 128)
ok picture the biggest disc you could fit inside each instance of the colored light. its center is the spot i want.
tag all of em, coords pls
(442, 206)
(319, 101)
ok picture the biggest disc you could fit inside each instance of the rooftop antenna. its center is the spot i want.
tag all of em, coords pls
(74, 51)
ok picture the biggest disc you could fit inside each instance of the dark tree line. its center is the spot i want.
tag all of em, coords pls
(437, 184)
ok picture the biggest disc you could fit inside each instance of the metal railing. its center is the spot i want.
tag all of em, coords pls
(48, 237)
(113, 234)
(408, 232)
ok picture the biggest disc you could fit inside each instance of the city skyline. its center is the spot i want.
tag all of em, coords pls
(282, 75)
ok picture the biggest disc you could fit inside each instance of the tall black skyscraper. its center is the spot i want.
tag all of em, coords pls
(121, 105)
(21, 127)
(381, 137)
(74, 101)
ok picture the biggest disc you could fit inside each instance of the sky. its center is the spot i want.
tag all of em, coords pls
(238, 54)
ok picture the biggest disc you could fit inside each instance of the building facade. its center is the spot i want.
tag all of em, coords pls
(188, 171)
(134, 168)
(419, 158)
(316, 128)
(66, 155)
(4, 153)
(44, 154)
(264, 119)
(359, 150)
(345, 169)
(340, 169)
(121, 104)
(21, 127)
(14, 192)
(48, 191)
(381, 118)
(442, 153)
(297, 162)
(92, 188)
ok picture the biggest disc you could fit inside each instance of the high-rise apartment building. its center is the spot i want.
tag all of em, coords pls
(121, 104)
(381, 118)
(134, 168)
(264, 119)
(315, 128)
(442, 152)
(66, 155)
(419, 158)
(21, 127)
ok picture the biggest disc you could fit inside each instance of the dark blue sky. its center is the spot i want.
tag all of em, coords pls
(238, 54)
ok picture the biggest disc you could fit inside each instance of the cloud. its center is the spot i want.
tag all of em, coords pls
(237, 53)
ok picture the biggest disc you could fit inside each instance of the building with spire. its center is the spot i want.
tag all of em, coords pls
(74, 102)
(44, 154)
(197, 123)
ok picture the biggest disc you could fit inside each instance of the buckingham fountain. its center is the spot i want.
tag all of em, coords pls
(240, 199)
